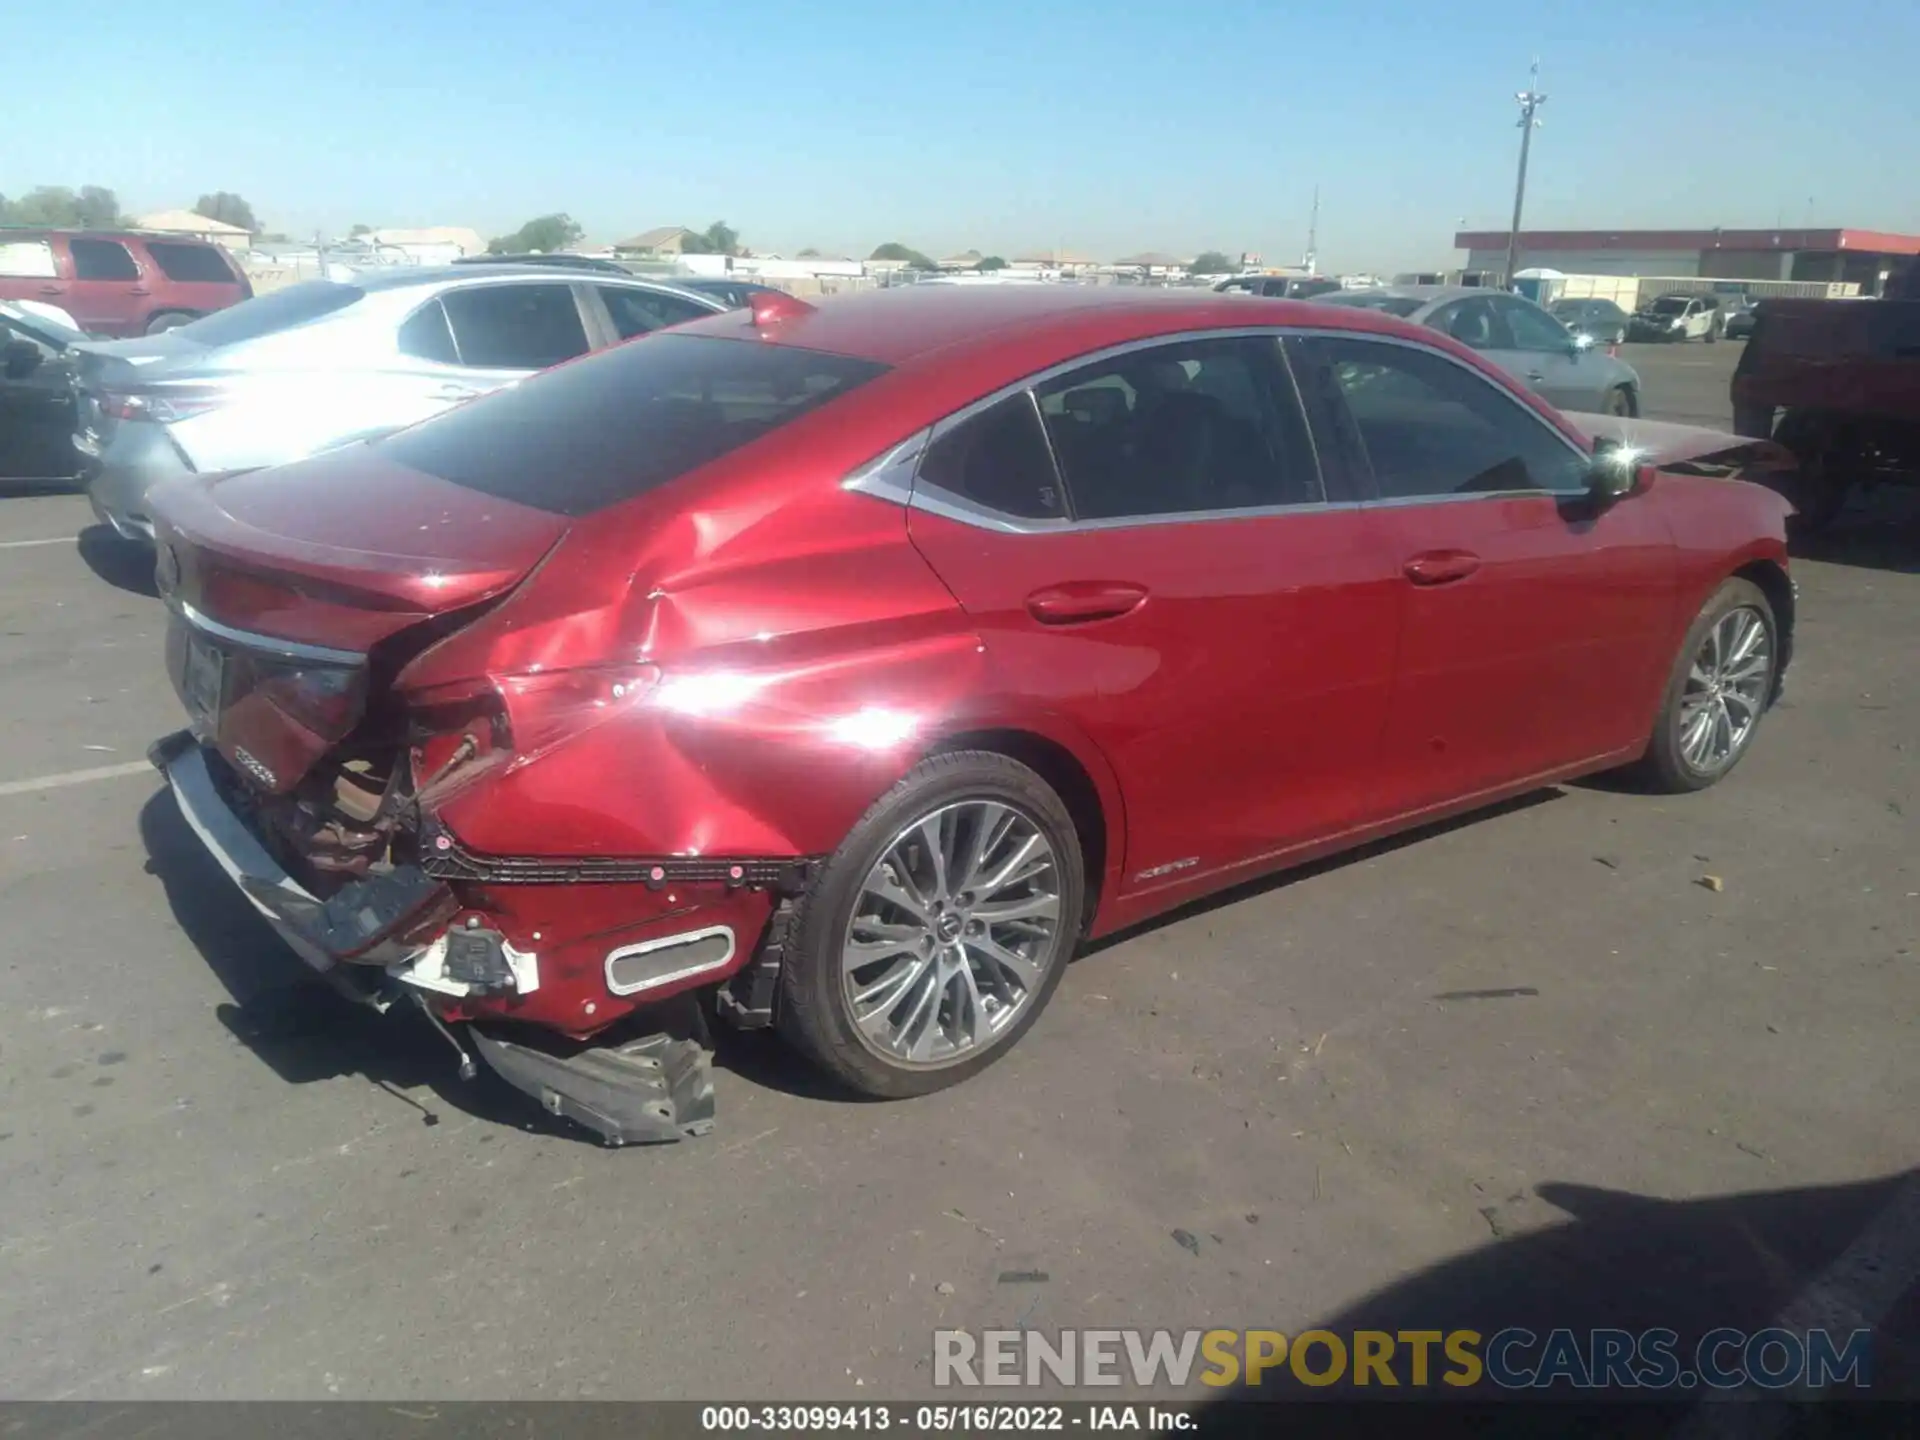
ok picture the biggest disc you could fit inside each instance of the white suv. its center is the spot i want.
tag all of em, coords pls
(1677, 317)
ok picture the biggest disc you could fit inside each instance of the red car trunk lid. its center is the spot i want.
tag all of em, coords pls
(283, 583)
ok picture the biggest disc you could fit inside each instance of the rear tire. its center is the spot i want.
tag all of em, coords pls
(1819, 487)
(168, 320)
(1620, 402)
(1727, 695)
(933, 1005)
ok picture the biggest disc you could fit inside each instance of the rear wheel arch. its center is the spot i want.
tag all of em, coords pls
(1071, 780)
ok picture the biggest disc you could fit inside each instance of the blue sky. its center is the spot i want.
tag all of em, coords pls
(1107, 127)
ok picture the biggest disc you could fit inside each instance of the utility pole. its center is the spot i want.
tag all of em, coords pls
(1313, 234)
(1530, 102)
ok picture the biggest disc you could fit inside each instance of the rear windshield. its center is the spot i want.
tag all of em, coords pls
(278, 310)
(1400, 305)
(190, 264)
(601, 430)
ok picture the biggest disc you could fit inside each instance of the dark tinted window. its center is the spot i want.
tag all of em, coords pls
(635, 312)
(625, 421)
(190, 264)
(1429, 427)
(1532, 328)
(279, 310)
(425, 335)
(998, 459)
(1669, 305)
(102, 260)
(515, 327)
(1178, 429)
(1474, 323)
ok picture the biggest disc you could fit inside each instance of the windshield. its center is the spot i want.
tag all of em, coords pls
(277, 310)
(618, 424)
(1400, 305)
(1669, 305)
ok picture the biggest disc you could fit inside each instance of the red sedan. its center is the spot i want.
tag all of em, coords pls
(855, 663)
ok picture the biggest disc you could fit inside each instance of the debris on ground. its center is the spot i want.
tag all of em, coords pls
(1187, 1241)
(1712, 882)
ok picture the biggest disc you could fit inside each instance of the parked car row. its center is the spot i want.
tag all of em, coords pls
(855, 663)
(324, 363)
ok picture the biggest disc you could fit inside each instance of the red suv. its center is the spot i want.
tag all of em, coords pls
(119, 283)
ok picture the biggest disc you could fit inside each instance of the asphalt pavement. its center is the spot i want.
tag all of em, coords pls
(1595, 1052)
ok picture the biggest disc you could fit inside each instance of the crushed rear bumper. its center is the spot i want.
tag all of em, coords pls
(645, 1091)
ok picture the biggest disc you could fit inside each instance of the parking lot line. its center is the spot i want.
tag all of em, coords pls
(53, 540)
(74, 777)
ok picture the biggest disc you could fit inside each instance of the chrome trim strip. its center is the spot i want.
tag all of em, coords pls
(893, 476)
(267, 644)
(667, 942)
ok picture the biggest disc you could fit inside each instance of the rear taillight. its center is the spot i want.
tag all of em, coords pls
(326, 699)
(162, 407)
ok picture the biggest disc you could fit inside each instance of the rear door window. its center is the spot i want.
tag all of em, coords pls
(636, 312)
(998, 459)
(190, 264)
(425, 335)
(102, 260)
(516, 327)
(27, 259)
(577, 439)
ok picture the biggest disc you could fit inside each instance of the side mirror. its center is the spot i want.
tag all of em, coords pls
(1616, 472)
(22, 358)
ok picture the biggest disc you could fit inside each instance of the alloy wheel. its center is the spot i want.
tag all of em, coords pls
(1726, 690)
(953, 933)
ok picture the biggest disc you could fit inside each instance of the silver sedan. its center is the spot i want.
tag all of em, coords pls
(325, 363)
(1518, 336)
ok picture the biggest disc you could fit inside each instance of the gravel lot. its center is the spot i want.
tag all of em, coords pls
(1524, 1066)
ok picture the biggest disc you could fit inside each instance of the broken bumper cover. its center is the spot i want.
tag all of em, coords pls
(647, 1091)
(352, 925)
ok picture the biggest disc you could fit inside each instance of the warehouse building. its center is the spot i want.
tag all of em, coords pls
(1866, 258)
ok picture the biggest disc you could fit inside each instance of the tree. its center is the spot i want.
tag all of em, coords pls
(545, 233)
(358, 230)
(894, 250)
(229, 209)
(719, 238)
(991, 262)
(1212, 262)
(93, 207)
(810, 253)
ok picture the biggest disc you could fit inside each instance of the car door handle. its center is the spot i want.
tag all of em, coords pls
(139, 290)
(1535, 376)
(1082, 601)
(53, 289)
(1441, 567)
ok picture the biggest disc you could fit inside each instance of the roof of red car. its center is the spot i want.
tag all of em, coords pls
(913, 324)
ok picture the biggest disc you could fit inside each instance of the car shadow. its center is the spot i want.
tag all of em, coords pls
(1832, 1256)
(125, 564)
(27, 489)
(300, 1026)
(1877, 531)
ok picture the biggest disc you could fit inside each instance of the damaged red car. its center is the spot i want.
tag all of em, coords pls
(854, 663)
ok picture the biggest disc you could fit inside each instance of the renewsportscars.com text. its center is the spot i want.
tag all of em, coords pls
(1510, 1359)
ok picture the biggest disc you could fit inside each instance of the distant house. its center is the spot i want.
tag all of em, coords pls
(188, 222)
(1067, 262)
(1153, 263)
(965, 260)
(429, 245)
(667, 240)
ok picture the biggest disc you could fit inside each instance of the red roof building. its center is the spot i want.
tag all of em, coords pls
(1862, 257)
